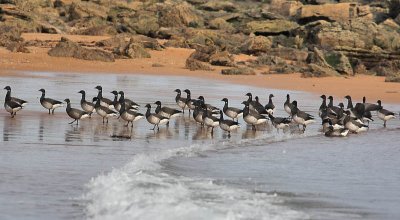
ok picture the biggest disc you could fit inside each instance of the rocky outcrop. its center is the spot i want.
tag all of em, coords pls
(222, 59)
(216, 5)
(193, 64)
(273, 27)
(131, 50)
(256, 45)
(180, 15)
(10, 38)
(238, 71)
(67, 48)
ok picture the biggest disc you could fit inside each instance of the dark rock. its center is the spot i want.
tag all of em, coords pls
(256, 45)
(180, 15)
(272, 27)
(339, 62)
(193, 64)
(289, 53)
(17, 47)
(216, 5)
(238, 71)
(222, 59)
(132, 50)
(67, 48)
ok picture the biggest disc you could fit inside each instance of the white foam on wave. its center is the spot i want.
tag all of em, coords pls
(141, 190)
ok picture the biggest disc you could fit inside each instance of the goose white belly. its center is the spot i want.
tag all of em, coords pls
(11, 110)
(56, 106)
(127, 117)
(385, 117)
(281, 125)
(209, 122)
(153, 119)
(270, 111)
(46, 105)
(287, 109)
(181, 104)
(231, 114)
(302, 121)
(88, 108)
(225, 127)
(250, 119)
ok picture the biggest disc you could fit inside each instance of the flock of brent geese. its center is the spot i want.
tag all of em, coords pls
(337, 121)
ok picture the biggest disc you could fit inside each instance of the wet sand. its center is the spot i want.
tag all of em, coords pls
(173, 62)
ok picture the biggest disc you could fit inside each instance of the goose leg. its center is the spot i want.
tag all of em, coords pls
(384, 124)
(77, 122)
(127, 124)
(103, 120)
(107, 120)
(131, 124)
(52, 111)
(153, 127)
(158, 128)
(49, 111)
(72, 121)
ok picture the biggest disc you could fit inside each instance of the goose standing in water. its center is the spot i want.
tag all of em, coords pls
(198, 112)
(129, 115)
(231, 112)
(355, 112)
(74, 113)
(11, 106)
(226, 124)
(354, 125)
(180, 101)
(166, 111)
(129, 104)
(209, 107)
(252, 118)
(279, 123)
(288, 106)
(155, 119)
(21, 102)
(190, 103)
(49, 103)
(301, 117)
(103, 101)
(333, 108)
(384, 114)
(210, 121)
(115, 102)
(270, 107)
(103, 111)
(332, 132)
(85, 105)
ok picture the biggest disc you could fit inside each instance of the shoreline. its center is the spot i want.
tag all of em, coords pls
(171, 62)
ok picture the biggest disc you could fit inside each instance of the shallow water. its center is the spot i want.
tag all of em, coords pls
(53, 170)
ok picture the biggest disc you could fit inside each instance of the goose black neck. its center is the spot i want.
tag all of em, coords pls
(83, 99)
(225, 106)
(270, 100)
(148, 112)
(158, 109)
(178, 96)
(8, 95)
(100, 94)
(122, 109)
(97, 103)
(330, 103)
(122, 98)
(349, 104)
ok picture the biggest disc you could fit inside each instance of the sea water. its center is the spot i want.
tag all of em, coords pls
(52, 170)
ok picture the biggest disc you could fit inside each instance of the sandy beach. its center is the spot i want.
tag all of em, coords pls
(171, 61)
